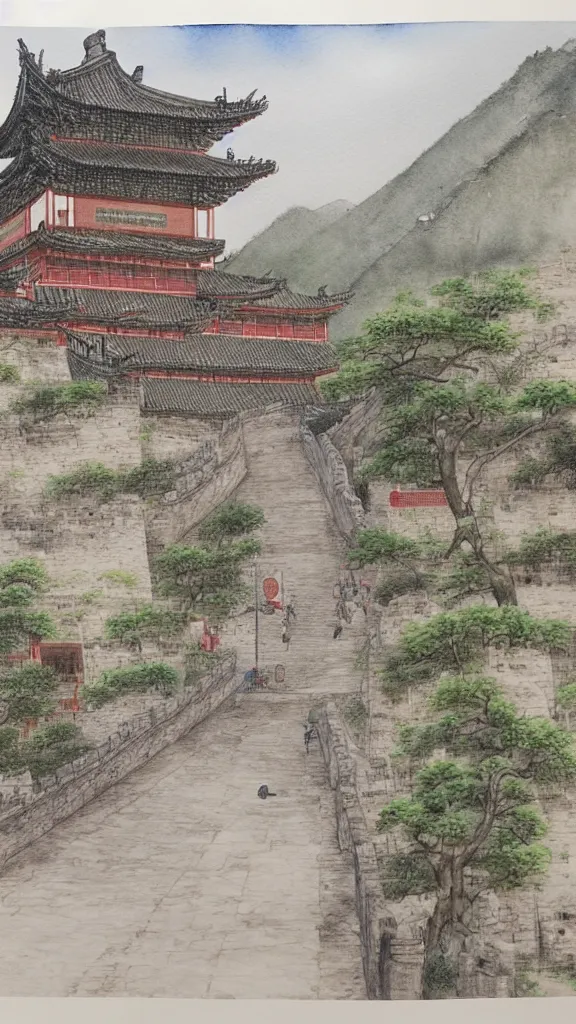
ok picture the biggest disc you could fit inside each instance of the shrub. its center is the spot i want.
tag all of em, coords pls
(8, 374)
(150, 477)
(52, 747)
(120, 578)
(566, 696)
(27, 571)
(17, 625)
(356, 712)
(29, 692)
(440, 973)
(11, 761)
(47, 402)
(149, 623)
(530, 472)
(119, 682)
(231, 520)
(546, 546)
(87, 478)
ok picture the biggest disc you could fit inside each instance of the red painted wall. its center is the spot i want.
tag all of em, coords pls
(13, 229)
(263, 329)
(179, 220)
(129, 278)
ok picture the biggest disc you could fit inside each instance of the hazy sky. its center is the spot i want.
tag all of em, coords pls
(350, 107)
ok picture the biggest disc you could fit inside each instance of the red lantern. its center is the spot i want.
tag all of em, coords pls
(270, 586)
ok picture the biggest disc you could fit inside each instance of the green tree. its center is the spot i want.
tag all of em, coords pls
(44, 403)
(29, 691)
(148, 623)
(399, 558)
(22, 581)
(11, 760)
(442, 424)
(454, 641)
(231, 520)
(471, 823)
(52, 747)
(207, 581)
(118, 682)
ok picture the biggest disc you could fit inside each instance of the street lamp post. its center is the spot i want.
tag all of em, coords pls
(256, 617)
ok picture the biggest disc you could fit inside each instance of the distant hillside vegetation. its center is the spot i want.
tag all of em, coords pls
(514, 150)
(266, 251)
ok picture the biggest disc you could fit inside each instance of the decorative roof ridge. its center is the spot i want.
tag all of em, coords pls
(97, 55)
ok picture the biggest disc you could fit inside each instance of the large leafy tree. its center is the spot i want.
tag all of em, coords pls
(29, 691)
(22, 582)
(208, 579)
(443, 423)
(454, 641)
(471, 823)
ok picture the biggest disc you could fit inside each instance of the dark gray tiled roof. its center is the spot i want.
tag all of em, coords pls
(103, 82)
(98, 99)
(114, 243)
(283, 298)
(194, 398)
(151, 308)
(163, 161)
(213, 283)
(22, 313)
(213, 352)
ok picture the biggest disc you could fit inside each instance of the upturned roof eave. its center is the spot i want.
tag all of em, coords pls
(40, 169)
(174, 107)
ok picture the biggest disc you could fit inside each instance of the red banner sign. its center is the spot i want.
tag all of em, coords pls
(417, 499)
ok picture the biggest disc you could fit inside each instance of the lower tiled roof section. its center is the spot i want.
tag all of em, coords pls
(211, 352)
(86, 241)
(194, 398)
(152, 309)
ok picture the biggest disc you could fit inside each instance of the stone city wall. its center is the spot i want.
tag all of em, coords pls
(29, 811)
(392, 967)
(331, 473)
(207, 477)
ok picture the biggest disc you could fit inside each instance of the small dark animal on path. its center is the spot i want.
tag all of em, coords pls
(264, 792)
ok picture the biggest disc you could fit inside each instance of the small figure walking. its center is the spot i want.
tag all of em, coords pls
(337, 632)
(309, 734)
(264, 792)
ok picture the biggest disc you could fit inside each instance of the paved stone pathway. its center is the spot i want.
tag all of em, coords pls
(180, 882)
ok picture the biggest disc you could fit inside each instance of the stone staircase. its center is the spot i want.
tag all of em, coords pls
(299, 542)
(184, 883)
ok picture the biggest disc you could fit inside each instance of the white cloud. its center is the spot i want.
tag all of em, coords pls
(349, 107)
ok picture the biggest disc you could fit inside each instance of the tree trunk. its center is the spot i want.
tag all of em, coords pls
(501, 583)
(446, 929)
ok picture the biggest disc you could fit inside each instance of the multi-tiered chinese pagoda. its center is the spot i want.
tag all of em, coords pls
(107, 243)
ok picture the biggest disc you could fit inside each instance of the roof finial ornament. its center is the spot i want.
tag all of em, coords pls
(229, 154)
(322, 291)
(95, 45)
(138, 74)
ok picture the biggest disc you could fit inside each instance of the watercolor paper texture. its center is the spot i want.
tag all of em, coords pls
(287, 505)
